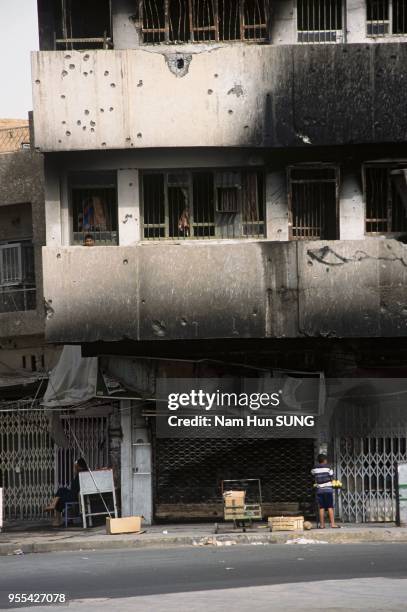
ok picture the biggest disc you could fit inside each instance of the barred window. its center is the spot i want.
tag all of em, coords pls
(320, 21)
(94, 208)
(203, 204)
(180, 21)
(386, 17)
(313, 202)
(385, 190)
(83, 24)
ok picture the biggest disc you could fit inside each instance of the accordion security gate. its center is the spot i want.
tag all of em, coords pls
(190, 471)
(32, 467)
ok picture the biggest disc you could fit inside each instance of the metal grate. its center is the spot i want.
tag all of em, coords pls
(203, 204)
(83, 25)
(94, 211)
(385, 211)
(26, 462)
(191, 471)
(17, 277)
(14, 139)
(386, 17)
(204, 20)
(313, 200)
(319, 21)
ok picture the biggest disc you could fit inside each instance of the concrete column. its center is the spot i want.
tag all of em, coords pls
(52, 205)
(142, 468)
(128, 206)
(283, 23)
(351, 208)
(125, 459)
(126, 27)
(356, 21)
(277, 206)
(66, 217)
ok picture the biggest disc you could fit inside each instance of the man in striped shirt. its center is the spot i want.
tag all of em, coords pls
(322, 474)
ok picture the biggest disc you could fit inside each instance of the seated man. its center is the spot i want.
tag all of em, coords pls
(64, 495)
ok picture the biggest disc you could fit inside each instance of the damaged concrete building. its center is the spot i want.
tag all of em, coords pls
(240, 169)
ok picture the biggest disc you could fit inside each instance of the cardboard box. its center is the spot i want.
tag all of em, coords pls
(128, 524)
(286, 523)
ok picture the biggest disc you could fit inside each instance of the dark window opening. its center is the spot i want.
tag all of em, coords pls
(203, 204)
(399, 17)
(83, 24)
(313, 199)
(320, 21)
(17, 277)
(94, 208)
(385, 200)
(204, 20)
(386, 17)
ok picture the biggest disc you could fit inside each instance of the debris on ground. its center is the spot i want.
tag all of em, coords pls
(305, 541)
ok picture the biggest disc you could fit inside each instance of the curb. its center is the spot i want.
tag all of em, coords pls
(299, 537)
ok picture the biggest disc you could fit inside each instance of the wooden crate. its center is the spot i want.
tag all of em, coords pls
(286, 523)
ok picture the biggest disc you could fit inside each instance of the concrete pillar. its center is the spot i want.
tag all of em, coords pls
(126, 27)
(66, 215)
(283, 23)
(277, 206)
(351, 208)
(136, 464)
(128, 206)
(356, 21)
(125, 459)
(52, 205)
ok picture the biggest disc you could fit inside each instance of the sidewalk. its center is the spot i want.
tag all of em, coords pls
(23, 538)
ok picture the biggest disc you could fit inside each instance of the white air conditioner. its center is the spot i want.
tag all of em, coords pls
(320, 36)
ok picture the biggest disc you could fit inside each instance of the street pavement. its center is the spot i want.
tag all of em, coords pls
(249, 578)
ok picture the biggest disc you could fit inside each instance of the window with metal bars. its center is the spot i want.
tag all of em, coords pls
(83, 24)
(186, 204)
(313, 202)
(180, 21)
(320, 21)
(94, 208)
(17, 276)
(386, 17)
(385, 190)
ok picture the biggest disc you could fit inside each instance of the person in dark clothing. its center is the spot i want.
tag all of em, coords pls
(322, 474)
(64, 495)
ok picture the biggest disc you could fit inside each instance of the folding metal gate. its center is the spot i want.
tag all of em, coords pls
(32, 467)
(26, 461)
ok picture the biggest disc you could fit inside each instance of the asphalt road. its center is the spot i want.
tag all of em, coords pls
(187, 578)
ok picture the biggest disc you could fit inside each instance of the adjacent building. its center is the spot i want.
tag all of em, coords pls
(239, 168)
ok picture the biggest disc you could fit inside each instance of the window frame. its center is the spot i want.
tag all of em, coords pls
(336, 180)
(238, 221)
(339, 40)
(390, 21)
(243, 28)
(389, 165)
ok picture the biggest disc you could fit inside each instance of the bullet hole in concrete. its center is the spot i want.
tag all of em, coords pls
(71, 66)
(140, 83)
(210, 92)
(111, 108)
(58, 255)
(128, 138)
(125, 262)
(102, 110)
(184, 322)
(103, 144)
(86, 57)
(216, 76)
(78, 122)
(106, 73)
(90, 71)
(64, 73)
(86, 111)
(63, 96)
(132, 144)
(237, 91)
(84, 128)
(254, 313)
(113, 85)
(246, 127)
(92, 123)
(180, 63)
(143, 301)
(63, 122)
(159, 328)
(68, 56)
(59, 140)
(85, 74)
(37, 81)
(139, 135)
(327, 270)
(68, 133)
(130, 184)
(92, 129)
(230, 112)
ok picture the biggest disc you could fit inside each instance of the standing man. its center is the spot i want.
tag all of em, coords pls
(322, 474)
